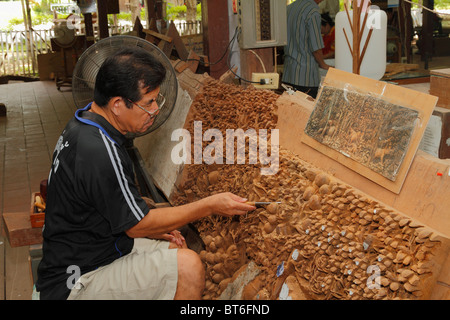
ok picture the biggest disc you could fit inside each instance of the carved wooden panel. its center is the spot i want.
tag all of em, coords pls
(372, 127)
(366, 128)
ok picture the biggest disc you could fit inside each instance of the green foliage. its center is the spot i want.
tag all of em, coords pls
(41, 18)
(441, 4)
(125, 16)
(13, 22)
(36, 19)
(42, 6)
(199, 11)
(179, 12)
(40, 14)
(175, 12)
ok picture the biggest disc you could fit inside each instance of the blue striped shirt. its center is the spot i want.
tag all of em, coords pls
(303, 38)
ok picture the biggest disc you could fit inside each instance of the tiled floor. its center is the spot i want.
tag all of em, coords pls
(36, 114)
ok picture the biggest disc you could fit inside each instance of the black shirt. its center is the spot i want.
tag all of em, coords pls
(91, 201)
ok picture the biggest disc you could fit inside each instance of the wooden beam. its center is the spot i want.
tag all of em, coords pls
(167, 46)
(215, 34)
(154, 10)
(152, 26)
(405, 24)
(426, 34)
(2, 266)
(112, 6)
(138, 28)
(205, 24)
(192, 63)
(89, 29)
(193, 60)
(157, 35)
(102, 13)
(178, 43)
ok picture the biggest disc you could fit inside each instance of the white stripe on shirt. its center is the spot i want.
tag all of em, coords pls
(123, 183)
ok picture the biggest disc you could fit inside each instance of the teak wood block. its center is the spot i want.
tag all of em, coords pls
(444, 146)
(418, 101)
(19, 230)
(424, 195)
(439, 85)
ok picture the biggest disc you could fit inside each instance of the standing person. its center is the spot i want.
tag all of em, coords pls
(328, 36)
(303, 52)
(101, 240)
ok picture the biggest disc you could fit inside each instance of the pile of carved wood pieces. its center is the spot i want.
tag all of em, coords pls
(325, 240)
(226, 106)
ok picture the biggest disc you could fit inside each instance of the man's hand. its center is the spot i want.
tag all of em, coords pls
(228, 204)
(174, 237)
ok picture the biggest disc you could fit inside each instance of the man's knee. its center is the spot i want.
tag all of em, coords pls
(190, 263)
(191, 275)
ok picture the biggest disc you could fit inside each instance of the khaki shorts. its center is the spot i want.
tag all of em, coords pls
(149, 271)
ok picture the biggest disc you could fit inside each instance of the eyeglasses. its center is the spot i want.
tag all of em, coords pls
(160, 100)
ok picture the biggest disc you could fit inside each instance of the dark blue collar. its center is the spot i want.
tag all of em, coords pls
(99, 122)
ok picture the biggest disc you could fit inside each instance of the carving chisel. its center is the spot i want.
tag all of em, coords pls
(260, 204)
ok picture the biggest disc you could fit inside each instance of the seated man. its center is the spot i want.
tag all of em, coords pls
(101, 240)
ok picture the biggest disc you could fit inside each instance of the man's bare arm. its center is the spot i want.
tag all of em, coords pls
(318, 55)
(164, 220)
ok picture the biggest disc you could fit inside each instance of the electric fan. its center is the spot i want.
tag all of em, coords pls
(83, 83)
(86, 69)
(64, 36)
(64, 42)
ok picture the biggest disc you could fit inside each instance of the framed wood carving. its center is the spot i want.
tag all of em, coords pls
(372, 127)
